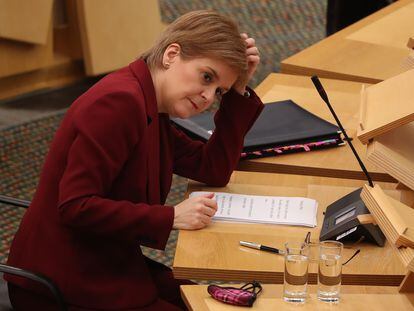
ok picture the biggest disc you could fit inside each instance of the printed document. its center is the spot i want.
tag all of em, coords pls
(296, 211)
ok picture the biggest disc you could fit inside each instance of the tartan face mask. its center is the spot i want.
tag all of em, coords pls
(243, 296)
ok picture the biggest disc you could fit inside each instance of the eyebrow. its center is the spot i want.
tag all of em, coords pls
(217, 77)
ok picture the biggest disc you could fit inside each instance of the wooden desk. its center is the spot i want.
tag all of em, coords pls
(352, 298)
(214, 252)
(370, 50)
(334, 162)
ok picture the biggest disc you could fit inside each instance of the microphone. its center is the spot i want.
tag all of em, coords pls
(324, 96)
(341, 222)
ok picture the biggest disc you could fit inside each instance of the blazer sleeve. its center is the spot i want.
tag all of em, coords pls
(104, 137)
(214, 161)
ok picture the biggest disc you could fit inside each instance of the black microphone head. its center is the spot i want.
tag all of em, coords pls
(319, 88)
(315, 79)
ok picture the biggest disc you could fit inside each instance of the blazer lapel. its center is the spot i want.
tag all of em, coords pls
(141, 71)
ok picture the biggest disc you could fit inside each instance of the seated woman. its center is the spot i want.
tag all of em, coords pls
(103, 186)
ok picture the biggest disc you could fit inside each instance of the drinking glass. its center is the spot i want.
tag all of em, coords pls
(330, 270)
(296, 272)
(313, 252)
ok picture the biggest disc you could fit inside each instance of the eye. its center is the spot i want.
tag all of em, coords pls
(219, 91)
(207, 77)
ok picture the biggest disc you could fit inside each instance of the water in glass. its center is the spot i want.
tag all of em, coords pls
(329, 277)
(296, 278)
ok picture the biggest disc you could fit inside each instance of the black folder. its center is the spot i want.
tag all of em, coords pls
(282, 127)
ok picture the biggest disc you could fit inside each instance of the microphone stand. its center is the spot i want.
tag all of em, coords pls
(325, 98)
(335, 227)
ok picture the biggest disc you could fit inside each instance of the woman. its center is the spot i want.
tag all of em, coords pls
(105, 180)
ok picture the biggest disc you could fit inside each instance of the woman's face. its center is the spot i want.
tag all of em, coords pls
(190, 87)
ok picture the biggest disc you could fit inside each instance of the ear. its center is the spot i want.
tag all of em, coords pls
(172, 52)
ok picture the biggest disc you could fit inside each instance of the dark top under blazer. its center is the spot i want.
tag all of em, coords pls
(104, 183)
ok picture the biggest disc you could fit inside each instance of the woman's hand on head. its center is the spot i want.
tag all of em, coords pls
(253, 60)
(195, 212)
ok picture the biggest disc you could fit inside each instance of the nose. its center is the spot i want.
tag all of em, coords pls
(208, 95)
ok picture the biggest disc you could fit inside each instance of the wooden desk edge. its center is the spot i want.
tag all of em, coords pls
(194, 295)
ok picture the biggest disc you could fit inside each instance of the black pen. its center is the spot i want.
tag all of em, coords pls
(262, 247)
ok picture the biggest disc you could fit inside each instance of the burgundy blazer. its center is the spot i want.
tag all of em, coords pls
(104, 183)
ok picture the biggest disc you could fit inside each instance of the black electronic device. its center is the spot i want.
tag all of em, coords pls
(341, 220)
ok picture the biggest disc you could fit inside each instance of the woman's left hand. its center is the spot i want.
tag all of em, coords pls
(253, 60)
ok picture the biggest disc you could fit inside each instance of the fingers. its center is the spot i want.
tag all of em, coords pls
(208, 211)
(253, 59)
(208, 195)
(202, 218)
(208, 200)
(211, 203)
(252, 51)
(205, 220)
(207, 206)
(204, 209)
(250, 42)
(252, 54)
(195, 213)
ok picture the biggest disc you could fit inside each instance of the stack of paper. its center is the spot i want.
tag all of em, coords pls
(395, 219)
(294, 211)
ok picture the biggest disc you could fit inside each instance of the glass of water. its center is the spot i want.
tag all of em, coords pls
(330, 270)
(296, 272)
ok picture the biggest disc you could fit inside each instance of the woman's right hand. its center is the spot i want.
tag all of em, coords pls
(195, 212)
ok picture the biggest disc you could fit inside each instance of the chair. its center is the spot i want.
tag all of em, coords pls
(4, 299)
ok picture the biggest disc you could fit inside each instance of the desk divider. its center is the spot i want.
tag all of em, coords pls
(379, 104)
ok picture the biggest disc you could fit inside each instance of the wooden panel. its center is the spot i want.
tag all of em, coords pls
(386, 106)
(25, 20)
(115, 32)
(18, 57)
(352, 298)
(66, 36)
(61, 72)
(394, 153)
(371, 61)
(196, 253)
(334, 162)
(386, 31)
(407, 285)
(395, 219)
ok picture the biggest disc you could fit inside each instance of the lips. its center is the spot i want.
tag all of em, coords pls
(194, 104)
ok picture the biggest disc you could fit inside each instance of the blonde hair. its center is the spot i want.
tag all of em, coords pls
(203, 33)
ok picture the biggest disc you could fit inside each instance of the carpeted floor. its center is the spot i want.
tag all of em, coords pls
(280, 27)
